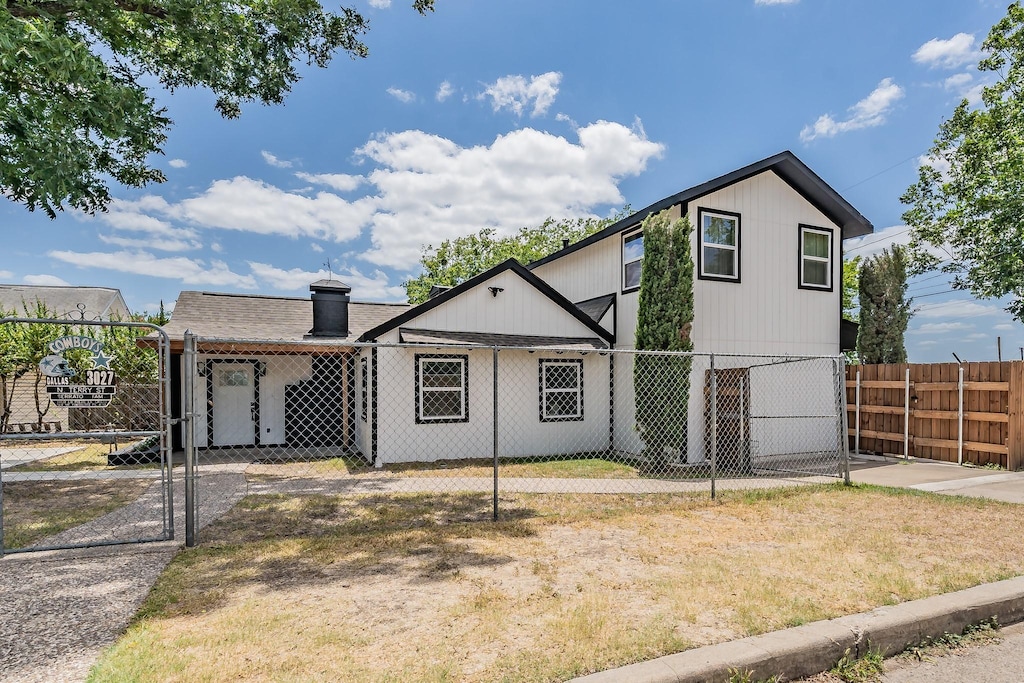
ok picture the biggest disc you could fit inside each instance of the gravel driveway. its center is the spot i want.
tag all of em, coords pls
(60, 609)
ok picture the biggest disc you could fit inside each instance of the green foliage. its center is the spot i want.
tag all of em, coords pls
(74, 112)
(458, 260)
(851, 272)
(969, 220)
(664, 321)
(852, 669)
(884, 308)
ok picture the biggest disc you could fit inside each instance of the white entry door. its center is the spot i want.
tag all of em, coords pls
(234, 404)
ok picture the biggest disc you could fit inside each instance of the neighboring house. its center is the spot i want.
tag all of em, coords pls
(70, 302)
(767, 246)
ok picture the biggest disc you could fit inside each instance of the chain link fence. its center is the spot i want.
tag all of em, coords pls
(84, 458)
(315, 417)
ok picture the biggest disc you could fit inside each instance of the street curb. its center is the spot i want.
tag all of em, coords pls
(812, 648)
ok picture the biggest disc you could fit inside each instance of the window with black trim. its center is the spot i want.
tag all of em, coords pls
(442, 385)
(719, 252)
(632, 260)
(561, 390)
(815, 258)
(364, 384)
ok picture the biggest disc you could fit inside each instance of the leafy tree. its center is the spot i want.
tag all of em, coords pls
(664, 320)
(884, 307)
(967, 207)
(457, 260)
(74, 110)
(851, 270)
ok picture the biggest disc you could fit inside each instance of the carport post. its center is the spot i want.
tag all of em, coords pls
(494, 441)
(188, 372)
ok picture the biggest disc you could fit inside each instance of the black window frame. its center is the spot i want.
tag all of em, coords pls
(628, 235)
(418, 388)
(542, 389)
(701, 212)
(804, 228)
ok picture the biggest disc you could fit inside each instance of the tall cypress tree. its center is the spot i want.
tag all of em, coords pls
(664, 319)
(884, 308)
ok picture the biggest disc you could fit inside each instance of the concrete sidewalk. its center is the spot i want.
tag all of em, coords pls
(810, 649)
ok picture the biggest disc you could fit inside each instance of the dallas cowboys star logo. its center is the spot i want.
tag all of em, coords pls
(102, 361)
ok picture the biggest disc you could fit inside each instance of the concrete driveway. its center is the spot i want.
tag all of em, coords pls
(939, 477)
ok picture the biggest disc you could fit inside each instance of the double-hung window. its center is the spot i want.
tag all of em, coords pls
(561, 390)
(442, 384)
(719, 253)
(815, 258)
(632, 260)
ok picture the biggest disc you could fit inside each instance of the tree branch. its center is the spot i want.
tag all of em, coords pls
(60, 9)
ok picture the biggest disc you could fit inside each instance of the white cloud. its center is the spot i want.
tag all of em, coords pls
(6, 275)
(45, 280)
(516, 93)
(342, 182)
(188, 271)
(380, 4)
(316, 248)
(869, 112)
(274, 161)
(254, 206)
(177, 163)
(1006, 327)
(432, 189)
(956, 309)
(940, 328)
(160, 244)
(947, 54)
(216, 247)
(444, 91)
(928, 342)
(373, 287)
(405, 96)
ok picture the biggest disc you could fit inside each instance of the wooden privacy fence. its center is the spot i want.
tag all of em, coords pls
(964, 413)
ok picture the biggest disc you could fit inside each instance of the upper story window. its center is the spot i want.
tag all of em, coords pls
(815, 258)
(632, 260)
(719, 252)
(441, 388)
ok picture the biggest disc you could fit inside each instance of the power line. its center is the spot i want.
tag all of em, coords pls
(881, 239)
(884, 170)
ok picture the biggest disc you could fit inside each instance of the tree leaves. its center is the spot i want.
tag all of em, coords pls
(969, 220)
(74, 114)
(884, 308)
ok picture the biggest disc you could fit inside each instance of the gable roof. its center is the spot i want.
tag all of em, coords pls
(785, 165)
(596, 308)
(66, 301)
(255, 317)
(408, 335)
(512, 265)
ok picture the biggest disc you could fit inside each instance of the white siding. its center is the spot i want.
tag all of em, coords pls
(766, 312)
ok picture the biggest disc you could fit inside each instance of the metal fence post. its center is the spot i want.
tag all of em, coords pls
(714, 425)
(1, 510)
(189, 372)
(166, 440)
(495, 433)
(960, 418)
(839, 369)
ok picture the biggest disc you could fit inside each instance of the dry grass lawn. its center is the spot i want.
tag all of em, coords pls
(426, 588)
(34, 510)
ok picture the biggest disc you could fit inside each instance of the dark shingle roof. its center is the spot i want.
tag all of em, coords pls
(252, 317)
(596, 307)
(89, 303)
(414, 336)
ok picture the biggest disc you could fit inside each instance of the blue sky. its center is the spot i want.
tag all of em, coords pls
(504, 112)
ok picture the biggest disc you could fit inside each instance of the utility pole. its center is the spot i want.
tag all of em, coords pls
(999, 349)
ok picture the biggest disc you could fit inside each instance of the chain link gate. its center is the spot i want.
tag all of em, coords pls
(85, 453)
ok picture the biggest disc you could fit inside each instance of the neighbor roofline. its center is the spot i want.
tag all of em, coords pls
(785, 165)
(510, 264)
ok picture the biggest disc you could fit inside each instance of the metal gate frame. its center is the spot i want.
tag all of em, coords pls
(164, 433)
